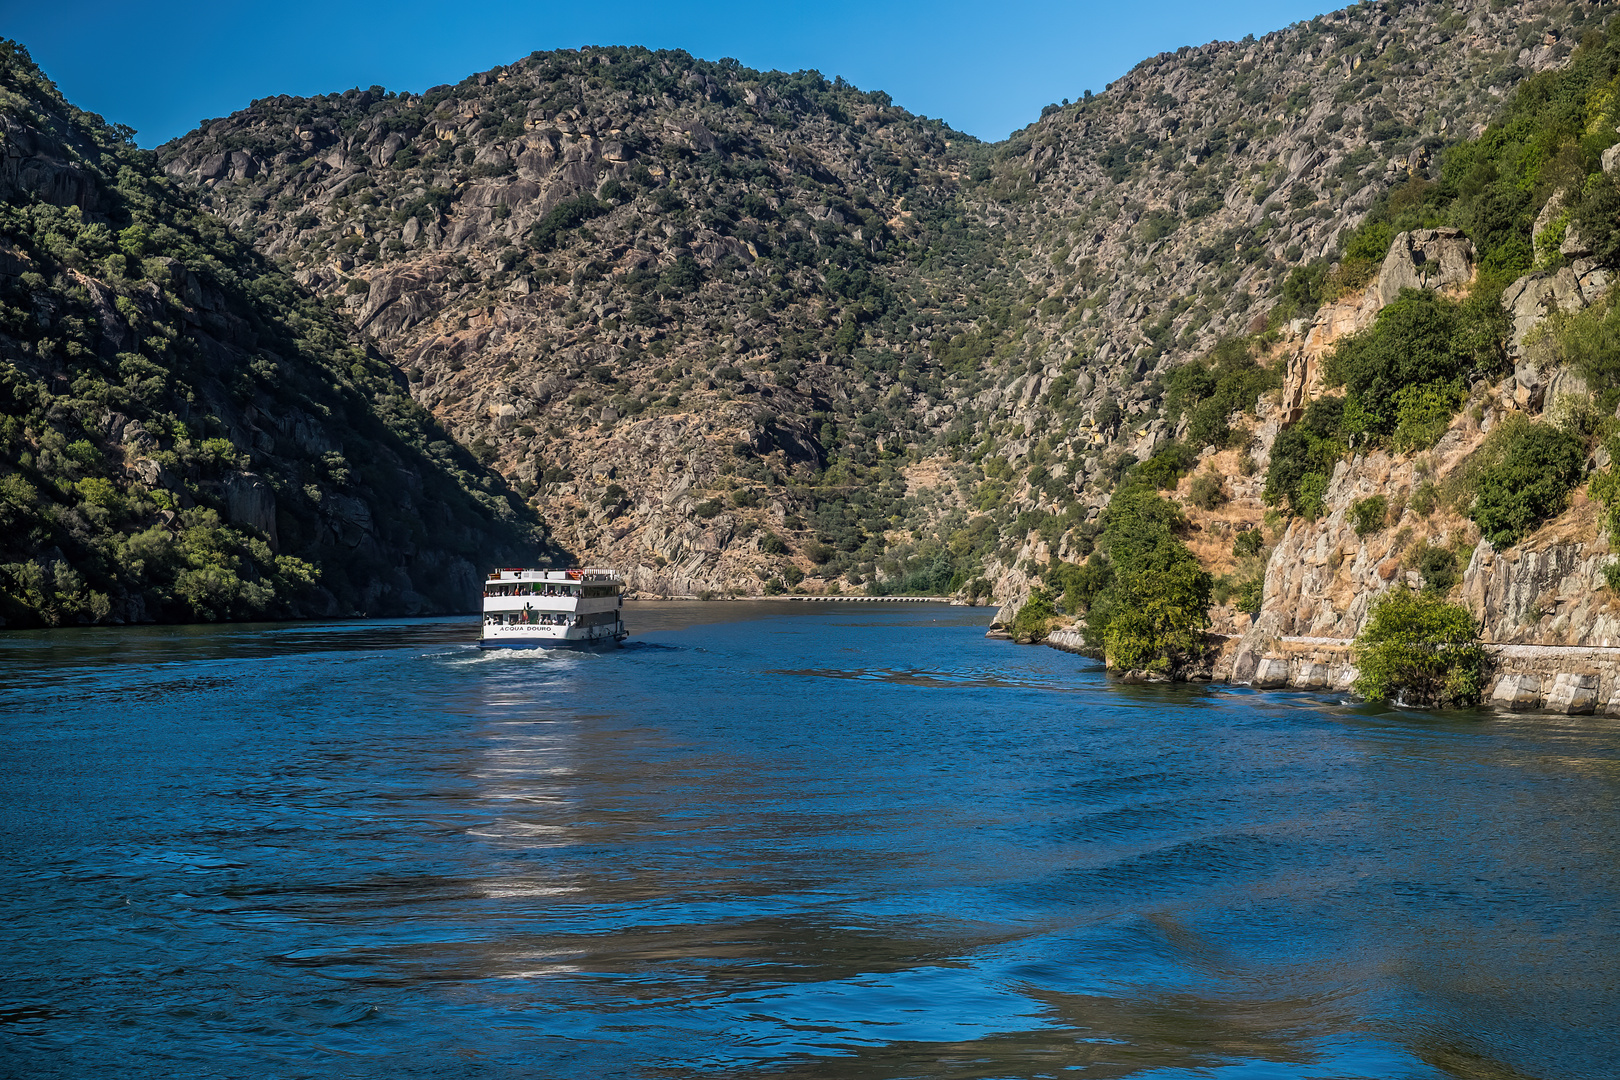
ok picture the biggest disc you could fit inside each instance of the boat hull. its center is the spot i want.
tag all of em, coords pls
(552, 643)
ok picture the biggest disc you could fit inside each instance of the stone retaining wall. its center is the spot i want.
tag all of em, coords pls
(1568, 679)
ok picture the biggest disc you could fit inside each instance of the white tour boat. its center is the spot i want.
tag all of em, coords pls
(548, 609)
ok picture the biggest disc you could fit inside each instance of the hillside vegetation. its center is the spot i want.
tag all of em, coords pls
(185, 432)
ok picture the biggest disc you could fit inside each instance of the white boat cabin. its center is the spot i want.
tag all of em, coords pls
(537, 609)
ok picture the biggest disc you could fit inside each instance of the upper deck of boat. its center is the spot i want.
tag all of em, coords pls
(554, 577)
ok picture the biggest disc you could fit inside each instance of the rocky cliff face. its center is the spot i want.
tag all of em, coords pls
(732, 329)
(656, 293)
(185, 433)
(1546, 613)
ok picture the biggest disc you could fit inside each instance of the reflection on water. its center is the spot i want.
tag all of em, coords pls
(784, 839)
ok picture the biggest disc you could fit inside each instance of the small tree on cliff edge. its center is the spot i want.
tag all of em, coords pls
(1420, 650)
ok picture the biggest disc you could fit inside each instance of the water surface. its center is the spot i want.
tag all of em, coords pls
(778, 840)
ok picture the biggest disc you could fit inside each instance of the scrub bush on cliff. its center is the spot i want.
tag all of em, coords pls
(1419, 650)
(1528, 472)
(1404, 374)
(1303, 456)
(1210, 390)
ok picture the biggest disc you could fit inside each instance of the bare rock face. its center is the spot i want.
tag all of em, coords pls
(249, 501)
(1535, 296)
(40, 163)
(1425, 259)
(1546, 592)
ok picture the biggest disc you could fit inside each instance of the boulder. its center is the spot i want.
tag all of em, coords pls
(1425, 259)
(1313, 676)
(1575, 695)
(1270, 673)
(1517, 693)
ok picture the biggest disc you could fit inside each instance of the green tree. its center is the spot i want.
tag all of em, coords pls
(1152, 614)
(1034, 620)
(1415, 345)
(1418, 649)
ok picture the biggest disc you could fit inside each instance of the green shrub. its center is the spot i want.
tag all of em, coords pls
(1423, 413)
(1605, 489)
(1248, 544)
(1611, 576)
(1528, 472)
(1251, 595)
(1244, 593)
(1425, 497)
(1405, 368)
(1417, 649)
(1166, 467)
(792, 575)
(1306, 287)
(1589, 341)
(1034, 620)
(1210, 390)
(1368, 515)
(1080, 584)
(708, 508)
(99, 491)
(1303, 457)
(1438, 566)
(771, 544)
(566, 215)
(1207, 492)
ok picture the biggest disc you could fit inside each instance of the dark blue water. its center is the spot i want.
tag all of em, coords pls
(778, 840)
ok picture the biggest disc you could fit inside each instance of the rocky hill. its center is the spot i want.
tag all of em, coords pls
(674, 301)
(188, 434)
(1219, 193)
(738, 331)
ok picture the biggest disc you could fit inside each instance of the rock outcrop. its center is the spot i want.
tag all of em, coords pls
(1425, 259)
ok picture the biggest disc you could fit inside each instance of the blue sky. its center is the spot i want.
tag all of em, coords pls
(983, 68)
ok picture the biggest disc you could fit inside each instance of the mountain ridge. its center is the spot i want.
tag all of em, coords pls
(846, 378)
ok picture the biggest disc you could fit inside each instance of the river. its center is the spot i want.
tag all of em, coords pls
(771, 839)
